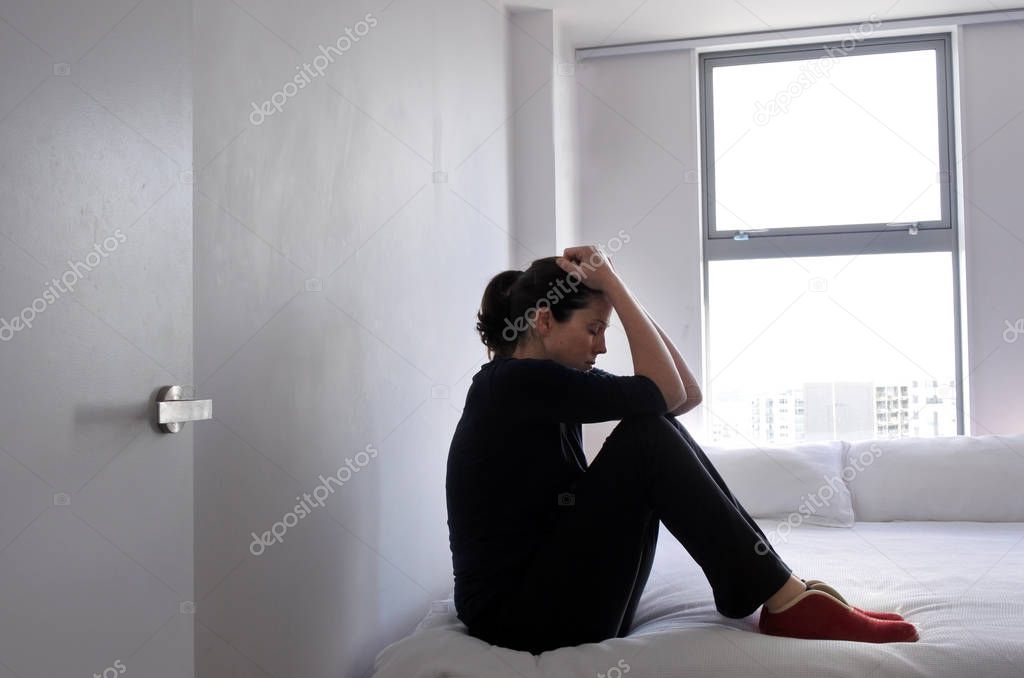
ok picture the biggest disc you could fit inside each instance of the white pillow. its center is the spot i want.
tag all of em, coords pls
(951, 478)
(800, 483)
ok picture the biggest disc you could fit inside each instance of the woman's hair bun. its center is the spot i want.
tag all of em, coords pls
(495, 308)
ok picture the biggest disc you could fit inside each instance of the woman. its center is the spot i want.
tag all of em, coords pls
(548, 552)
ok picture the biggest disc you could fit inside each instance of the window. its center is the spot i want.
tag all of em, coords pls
(828, 137)
(829, 229)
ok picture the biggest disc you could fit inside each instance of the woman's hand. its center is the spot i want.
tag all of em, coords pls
(590, 264)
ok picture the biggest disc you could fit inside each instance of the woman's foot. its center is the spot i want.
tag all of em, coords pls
(822, 586)
(817, 615)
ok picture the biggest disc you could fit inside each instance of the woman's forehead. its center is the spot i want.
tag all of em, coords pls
(598, 310)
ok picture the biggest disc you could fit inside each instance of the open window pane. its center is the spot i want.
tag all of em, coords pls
(828, 141)
(825, 348)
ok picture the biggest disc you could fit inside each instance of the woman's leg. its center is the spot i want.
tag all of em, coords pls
(643, 573)
(704, 516)
(587, 575)
(791, 588)
(713, 472)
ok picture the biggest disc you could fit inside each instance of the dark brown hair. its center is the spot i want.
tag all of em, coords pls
(504, 310)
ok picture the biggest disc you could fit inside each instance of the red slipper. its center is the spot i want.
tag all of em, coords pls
(816, 615)
(822, 586)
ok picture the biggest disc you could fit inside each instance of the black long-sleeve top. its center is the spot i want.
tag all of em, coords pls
(517, 447)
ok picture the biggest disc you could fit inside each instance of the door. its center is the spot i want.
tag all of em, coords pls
(96, 315)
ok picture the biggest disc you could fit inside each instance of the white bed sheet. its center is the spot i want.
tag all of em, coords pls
(961, 583)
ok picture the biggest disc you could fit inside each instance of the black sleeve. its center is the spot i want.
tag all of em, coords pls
(533, 388)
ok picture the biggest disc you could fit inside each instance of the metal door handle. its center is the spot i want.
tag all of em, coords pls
(173, 410)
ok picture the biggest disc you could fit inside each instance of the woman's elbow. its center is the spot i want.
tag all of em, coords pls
(687, 405)
(675, 400)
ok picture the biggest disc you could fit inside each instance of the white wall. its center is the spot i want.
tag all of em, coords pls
(638, 130)
(337, 282)
(566, 140)
(532, 136)
(639, 133)
(545, 200)
(992, 121)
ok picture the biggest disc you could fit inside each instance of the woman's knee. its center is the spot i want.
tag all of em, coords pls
(646, 428)
(639, 441)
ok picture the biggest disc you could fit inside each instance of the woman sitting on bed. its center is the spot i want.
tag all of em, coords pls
(548, 552)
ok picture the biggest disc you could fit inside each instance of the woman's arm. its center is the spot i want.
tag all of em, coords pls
(651, 357)
(652, 353)
(694, 397)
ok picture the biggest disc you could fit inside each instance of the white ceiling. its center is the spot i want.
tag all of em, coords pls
(590, 23)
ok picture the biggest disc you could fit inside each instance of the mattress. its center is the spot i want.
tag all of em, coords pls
(960, 583)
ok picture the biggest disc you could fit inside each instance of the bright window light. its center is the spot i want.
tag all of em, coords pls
(833, 347)
(827, 141)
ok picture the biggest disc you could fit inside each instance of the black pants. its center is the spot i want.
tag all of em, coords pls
(586, 578)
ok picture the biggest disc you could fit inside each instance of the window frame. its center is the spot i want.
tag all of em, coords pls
(850, 239)
(940, 43)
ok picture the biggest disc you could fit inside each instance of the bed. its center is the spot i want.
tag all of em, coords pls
(961, 581)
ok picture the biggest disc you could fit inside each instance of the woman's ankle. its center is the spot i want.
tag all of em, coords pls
(790, 590)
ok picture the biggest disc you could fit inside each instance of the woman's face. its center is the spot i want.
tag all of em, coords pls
(579, 340)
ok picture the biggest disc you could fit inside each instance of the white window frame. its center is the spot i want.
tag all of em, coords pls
(941, 235)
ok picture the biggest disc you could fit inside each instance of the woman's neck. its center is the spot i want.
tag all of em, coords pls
(530, 351)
